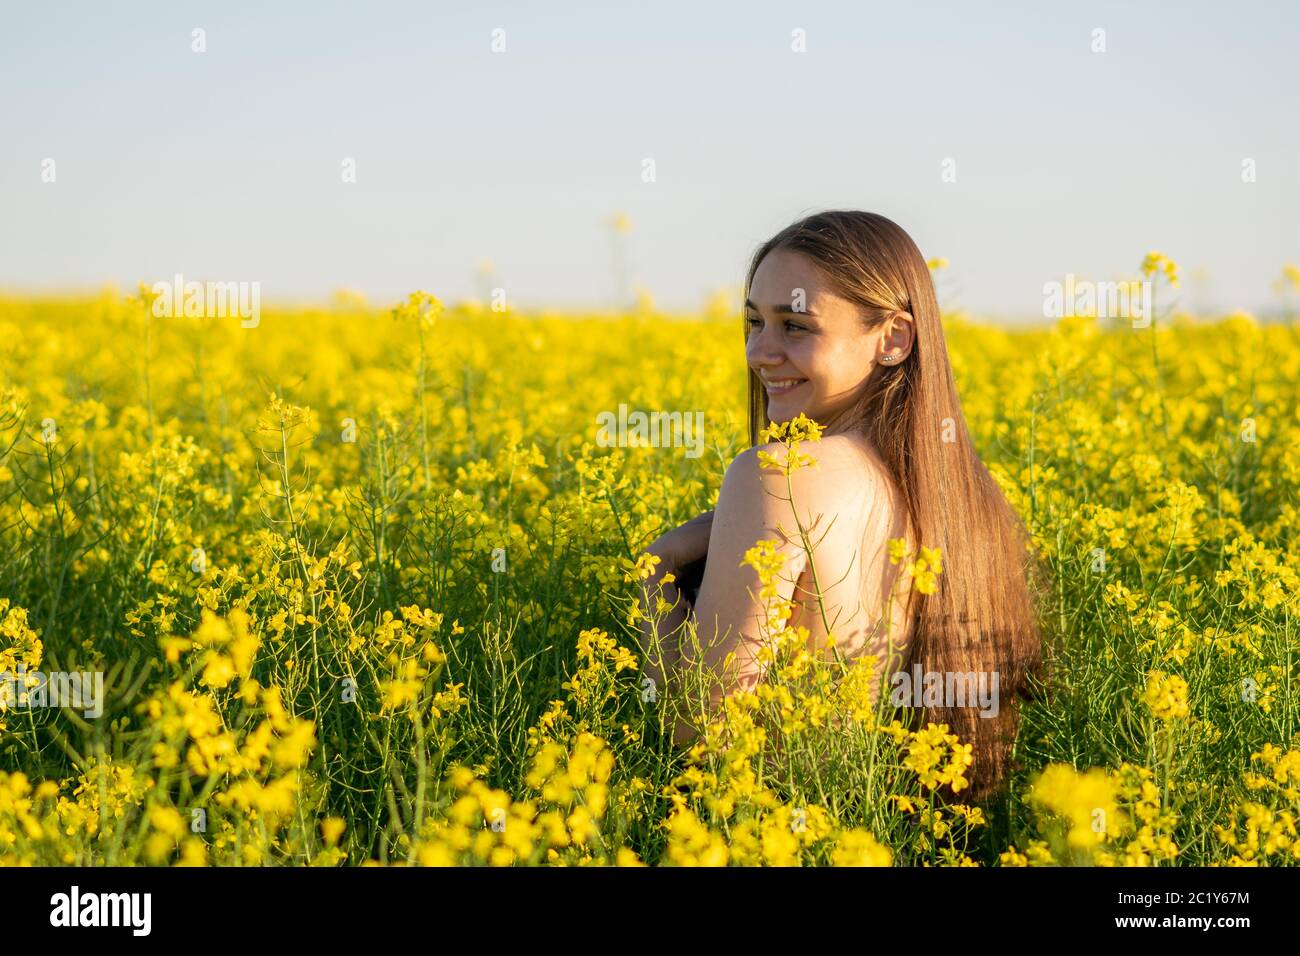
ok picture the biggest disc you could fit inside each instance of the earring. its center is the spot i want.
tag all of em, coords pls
(888, 358)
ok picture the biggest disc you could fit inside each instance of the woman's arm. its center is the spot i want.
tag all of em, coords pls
(662, 629)
(730, 615)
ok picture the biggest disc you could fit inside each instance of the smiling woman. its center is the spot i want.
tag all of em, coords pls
(842, 326)
(813, 353)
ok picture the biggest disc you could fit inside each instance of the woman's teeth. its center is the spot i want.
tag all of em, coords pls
(783, 385)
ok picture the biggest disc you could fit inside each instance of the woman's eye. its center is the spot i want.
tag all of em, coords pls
(792, 326)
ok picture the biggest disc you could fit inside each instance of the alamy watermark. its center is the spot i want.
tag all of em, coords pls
(656, 429)
(1107, 300)
(922, 688)
(208, 300)
(77, 690)
(75, 908)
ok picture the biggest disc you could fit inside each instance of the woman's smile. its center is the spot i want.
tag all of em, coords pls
(783, 386)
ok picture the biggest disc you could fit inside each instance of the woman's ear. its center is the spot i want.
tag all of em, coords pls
(900, 333)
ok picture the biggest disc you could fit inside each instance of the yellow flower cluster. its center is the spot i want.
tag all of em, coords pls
(20, 647)
(1266, 832)
(790, 435)
(1098, 817)
(924, 571)
(938, 758)
(1158, 262)
(1166, 696)
(394, 587)
(484, 826)
(421, 307)
(1087, 803)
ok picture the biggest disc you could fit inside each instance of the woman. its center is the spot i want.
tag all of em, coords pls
(842, 324)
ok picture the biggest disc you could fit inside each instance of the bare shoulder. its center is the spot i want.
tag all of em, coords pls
(842, 477)
(837, 461)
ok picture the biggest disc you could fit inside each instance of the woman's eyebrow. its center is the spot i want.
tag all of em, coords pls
(780, 309)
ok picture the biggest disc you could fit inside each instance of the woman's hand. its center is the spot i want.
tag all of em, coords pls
(685, 543)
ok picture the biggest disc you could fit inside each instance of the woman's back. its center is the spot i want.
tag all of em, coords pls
(857, 509)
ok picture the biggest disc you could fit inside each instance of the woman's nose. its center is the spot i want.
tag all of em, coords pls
(763, 349)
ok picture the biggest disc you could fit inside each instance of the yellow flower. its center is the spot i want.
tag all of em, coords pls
(1086, 801)
(1158, 262)
(643, 569)
(420, 307)
(331, 829)
(168, 821)
(293, 749)
(924, 570)
(1166, 695)
(1291, 276)
(220, 670)
(800, 428)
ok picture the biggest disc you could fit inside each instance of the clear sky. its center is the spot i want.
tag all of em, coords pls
(228, 164)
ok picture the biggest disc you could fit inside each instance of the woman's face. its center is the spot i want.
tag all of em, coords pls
(811, 357)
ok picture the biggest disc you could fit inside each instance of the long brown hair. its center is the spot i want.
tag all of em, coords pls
(983, 617)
